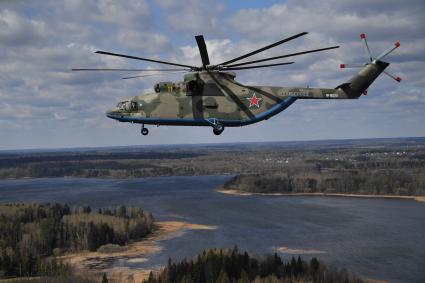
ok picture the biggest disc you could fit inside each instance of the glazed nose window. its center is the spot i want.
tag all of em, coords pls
(120, 105)
(124, 105)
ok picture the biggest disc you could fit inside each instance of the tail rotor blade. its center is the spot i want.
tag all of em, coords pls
(343, 66)
(366, 46)
(388, 51)
(391, 75)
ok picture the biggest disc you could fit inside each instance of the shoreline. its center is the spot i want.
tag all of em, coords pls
(242, 193)
(108, 178)
(136, 252)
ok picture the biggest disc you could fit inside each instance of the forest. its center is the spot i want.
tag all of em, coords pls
(226, 266)
(375, 169)
(382, 182)
(32, 235)
(357, 160)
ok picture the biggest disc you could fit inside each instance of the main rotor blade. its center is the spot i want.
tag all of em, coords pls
(144, 59)
(202, 50)
(283, 56)
(264, 48)
(149, 75)
(257, 66)
(129, 70)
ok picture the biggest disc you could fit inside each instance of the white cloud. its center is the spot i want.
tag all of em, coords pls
(18, 31)
(193, 17)
(41, 41)
(144, 42)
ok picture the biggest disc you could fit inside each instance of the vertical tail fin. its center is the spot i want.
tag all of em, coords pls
(358, 84)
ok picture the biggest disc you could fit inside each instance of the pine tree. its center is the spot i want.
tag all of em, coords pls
(187, 279)
(244, 277)
(223, 277)
(151, 279)
(314, 265)
(300, 268)
(104, 278)
(122, 211)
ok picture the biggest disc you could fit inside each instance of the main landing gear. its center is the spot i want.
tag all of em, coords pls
(218, 129)
(144, 131)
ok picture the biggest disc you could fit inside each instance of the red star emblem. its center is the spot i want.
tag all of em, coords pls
(254, 100)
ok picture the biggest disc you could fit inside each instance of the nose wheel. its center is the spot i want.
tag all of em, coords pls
(218, 129)
(144, 131)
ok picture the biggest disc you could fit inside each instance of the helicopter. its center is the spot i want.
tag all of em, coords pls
(210, 96)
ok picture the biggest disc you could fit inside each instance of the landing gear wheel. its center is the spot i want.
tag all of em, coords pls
(218, 129)
(144, 131)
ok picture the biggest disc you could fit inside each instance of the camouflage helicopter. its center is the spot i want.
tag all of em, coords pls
(209, 95)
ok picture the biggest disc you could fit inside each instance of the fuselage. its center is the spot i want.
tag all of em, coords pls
(205, 98)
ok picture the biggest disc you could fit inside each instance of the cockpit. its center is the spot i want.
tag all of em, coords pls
(128, 106)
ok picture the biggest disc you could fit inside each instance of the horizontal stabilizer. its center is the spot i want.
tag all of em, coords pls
(344, 85)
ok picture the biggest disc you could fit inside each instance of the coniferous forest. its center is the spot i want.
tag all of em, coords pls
(31, 235)
(226, 266)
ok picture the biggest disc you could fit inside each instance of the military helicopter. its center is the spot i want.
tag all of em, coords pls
(210, 96)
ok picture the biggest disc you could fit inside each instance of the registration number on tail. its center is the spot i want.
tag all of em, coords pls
(331, 95)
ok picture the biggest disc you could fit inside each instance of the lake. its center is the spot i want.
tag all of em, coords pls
(376, 238)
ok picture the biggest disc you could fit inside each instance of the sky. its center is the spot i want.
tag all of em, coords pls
(45, 105)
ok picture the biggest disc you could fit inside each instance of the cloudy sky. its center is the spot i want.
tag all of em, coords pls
(43, 104)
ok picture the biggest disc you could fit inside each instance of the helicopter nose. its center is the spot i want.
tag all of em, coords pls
(110, 113)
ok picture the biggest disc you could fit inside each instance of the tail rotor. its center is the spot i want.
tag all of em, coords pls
(373, 60)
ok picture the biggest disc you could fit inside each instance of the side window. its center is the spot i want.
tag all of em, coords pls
(134, 106)
(157, 88)
(194, 88)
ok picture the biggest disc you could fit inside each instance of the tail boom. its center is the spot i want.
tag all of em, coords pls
(352, 89)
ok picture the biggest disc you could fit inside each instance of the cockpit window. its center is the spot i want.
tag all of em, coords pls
(122, 105)
(134, 106)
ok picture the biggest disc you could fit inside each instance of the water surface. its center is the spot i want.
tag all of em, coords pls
(376, 238)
